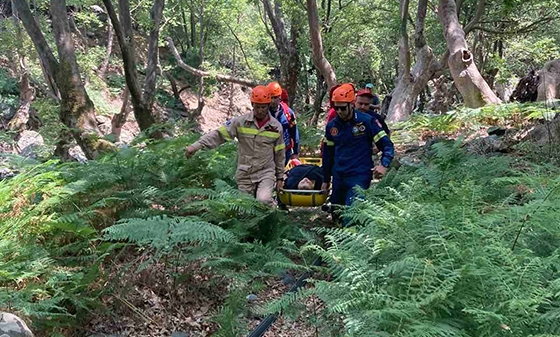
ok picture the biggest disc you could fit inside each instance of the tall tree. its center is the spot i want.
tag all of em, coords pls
(411, 83)
(319, 59)
(142, 100)
(474, 89)
(286, 47)
(26, 91)
(77, 111)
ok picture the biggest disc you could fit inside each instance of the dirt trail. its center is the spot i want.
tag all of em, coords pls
(223, 104)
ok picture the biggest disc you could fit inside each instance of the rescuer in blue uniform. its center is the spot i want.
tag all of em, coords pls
(347, 156)
(286, 116)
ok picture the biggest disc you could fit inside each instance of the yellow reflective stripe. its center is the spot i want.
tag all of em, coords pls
(329, 143)
(251, 131)
(224, 133)
(279, 147)
(269, 134)
(378, 136)
(247, 131)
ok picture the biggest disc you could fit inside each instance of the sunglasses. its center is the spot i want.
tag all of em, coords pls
(340, 108)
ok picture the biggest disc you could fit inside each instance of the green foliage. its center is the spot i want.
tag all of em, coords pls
(310, 137)
(466, 119)
(61, 223)
(48, 111)
(433, 251)
(8, 84)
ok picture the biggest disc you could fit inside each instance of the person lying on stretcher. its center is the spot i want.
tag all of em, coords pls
(304, 177)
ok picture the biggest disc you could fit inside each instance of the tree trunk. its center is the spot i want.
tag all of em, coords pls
(193, 26)
(320, 93)
(290, 81)
(319, 59)
(200, 105)
(110, 37)
(185, 27)
(76, 108)
(123, 30)
(473, 87)
(74, 28)
(156, 15)
(549, 86)
(286, 48)
(409, 86)
(26, 96)
(21, 117)
(120, 119)
(49, 64)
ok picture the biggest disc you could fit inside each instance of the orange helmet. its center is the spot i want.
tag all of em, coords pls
(275, 89)
(260, 94)
(344, 93)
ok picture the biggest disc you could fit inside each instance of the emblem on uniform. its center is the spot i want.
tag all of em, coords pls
(378, 124)
(334, 131)
(358, 129)
(228, 122)
(247, 123)
(271, 128)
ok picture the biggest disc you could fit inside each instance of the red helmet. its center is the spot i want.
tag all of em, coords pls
(365, 92)
(284, 96)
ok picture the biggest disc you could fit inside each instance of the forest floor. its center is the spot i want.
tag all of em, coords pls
(150, 304)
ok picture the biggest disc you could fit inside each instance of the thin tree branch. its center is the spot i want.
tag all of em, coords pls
(263, 19)
(240, 44)
(479, 13)
(201, 73)
(522, 30)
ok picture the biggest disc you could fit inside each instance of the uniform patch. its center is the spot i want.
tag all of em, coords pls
(228, 122)
(247, 123)
(378, 124)
(334, 131)
(271, 128)
(358, 129)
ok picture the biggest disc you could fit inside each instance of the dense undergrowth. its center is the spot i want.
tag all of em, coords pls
(463, 245)
(465, 120)
(61, 224)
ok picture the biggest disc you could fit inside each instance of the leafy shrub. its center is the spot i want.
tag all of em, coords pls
(461, 246)
(60, 225)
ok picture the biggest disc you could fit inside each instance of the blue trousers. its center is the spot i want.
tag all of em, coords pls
(343, 192)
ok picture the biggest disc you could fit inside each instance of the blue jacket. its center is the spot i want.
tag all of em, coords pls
(348, 146)
(291, 134)
(380, 119)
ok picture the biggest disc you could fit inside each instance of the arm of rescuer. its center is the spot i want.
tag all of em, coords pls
(294, 134)
(385, 145)
(328, 158)
(214, 138)
(279, 160)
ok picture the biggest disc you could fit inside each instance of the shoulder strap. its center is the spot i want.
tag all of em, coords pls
(286, 111)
